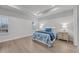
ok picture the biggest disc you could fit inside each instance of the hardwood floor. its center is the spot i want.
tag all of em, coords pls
(26, 45)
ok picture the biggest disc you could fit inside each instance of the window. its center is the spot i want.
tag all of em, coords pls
(3, 24)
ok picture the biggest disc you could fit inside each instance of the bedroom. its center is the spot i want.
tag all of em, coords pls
(20, 28)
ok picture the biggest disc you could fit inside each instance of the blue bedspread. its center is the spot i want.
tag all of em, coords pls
(45, 37)
(49, 33)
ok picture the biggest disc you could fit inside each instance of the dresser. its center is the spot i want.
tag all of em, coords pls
(63, 36)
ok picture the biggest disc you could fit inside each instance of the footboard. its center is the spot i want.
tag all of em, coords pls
(43, 38)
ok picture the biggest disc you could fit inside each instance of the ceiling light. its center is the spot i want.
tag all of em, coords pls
(37, 13)
(55, 9)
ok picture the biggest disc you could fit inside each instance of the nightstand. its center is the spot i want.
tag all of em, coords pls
(63, 36)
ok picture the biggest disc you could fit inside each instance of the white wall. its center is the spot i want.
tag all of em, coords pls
(17, 28)
(57, 23)
(77, 25)
(20, 24)
(75, 11)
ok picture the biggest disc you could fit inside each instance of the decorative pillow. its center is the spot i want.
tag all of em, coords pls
(48, 29)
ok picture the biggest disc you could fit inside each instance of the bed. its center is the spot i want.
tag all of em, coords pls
(46, 36)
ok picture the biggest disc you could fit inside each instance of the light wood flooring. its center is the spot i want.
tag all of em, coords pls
(26, 45)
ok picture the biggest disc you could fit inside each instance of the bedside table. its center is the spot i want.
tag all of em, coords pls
(63, 36)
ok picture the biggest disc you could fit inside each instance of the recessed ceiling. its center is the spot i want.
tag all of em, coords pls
(34, 8)
(44, 10)
(58, 9)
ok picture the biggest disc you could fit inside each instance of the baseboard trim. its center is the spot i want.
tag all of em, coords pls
(15, 38)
